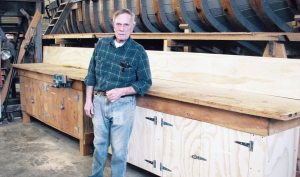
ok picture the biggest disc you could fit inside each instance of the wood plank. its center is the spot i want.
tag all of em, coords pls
(225, 71)
(239, 101)
(227, 99)
(248, 85)
(230, 36)
(77, 85)
(270, 77)
(68, 56)
(49, 69)
(233, 120)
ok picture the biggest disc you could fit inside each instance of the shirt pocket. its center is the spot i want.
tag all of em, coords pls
(127, 67)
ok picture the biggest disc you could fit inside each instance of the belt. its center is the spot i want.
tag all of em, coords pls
(100, 93)
(103, 93)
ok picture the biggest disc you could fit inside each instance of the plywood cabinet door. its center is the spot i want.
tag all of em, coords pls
(181, 150)
(143, 144)
(63, 109)
(52, 103)
(31, 96)
(275, 155)
(71, 111)
(224, 154)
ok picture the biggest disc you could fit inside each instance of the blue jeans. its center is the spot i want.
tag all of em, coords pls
(112, 125)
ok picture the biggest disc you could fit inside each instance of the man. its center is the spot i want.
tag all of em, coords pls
(119, 69)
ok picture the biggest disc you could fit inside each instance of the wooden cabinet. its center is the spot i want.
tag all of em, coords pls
(61, 108)
(173, 146)
(144, 141)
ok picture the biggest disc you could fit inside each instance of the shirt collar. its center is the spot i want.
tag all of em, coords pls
(126, 44)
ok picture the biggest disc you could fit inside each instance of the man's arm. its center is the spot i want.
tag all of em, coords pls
(89, 107)
(117, 93)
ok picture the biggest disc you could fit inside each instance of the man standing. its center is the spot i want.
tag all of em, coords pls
(119, 69)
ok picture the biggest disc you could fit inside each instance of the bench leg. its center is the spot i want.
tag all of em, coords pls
(86, 144)
(26, 117)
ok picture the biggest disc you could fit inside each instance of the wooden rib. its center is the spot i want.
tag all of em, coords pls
(178, 12)
(234, 15)
(73, 21)
(64, 28)
(140, 26)
(91, 11)
(124, 4)
(111, 9)
(257, 7)
(158, 16)
(103, 17)
(79, 18)
(69, 24)
(184, 18)
(86, 16)
(172, 26)
(202, 11)
(96, 15)
(144, 17)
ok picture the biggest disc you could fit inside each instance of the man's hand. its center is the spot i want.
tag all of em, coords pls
(89, 109)
(115, 94)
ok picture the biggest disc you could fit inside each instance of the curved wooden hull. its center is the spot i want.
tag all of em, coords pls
(201, 15)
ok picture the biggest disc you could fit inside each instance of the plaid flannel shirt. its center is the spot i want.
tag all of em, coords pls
(112, 67)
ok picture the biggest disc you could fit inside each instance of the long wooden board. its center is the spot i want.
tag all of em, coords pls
(222, 98)
(253, 74)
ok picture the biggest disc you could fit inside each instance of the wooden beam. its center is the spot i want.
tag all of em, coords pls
(230, 36)
(233, 120)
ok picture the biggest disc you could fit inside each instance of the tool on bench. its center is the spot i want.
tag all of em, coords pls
(61, 81)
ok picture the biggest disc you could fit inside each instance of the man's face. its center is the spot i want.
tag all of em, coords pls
(123, 27)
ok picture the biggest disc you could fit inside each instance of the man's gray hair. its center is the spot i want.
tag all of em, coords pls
(124, 11)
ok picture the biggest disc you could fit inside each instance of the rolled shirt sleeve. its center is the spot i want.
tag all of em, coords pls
(143, 73)
(90, 78)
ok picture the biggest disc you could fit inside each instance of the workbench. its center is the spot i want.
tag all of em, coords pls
(205, 115)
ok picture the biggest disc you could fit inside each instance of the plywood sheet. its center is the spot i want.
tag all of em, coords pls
(77, 57)
(253, 74)
(251, 85)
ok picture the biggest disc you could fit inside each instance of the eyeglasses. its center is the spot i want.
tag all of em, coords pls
(125, 25)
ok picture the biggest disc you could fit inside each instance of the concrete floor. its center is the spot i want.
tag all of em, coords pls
(37, 150)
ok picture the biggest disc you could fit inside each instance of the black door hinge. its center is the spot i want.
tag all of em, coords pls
(162, 123)
(249, 145)
(154, 119)
(162, 168)
(152, 162)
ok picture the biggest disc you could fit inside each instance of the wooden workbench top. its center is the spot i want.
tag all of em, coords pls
(261, 105)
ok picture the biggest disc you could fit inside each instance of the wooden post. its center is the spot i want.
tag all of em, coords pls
(85, 144)
(166, 45)
(26, 117)
(186, 29)
(275, 49)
